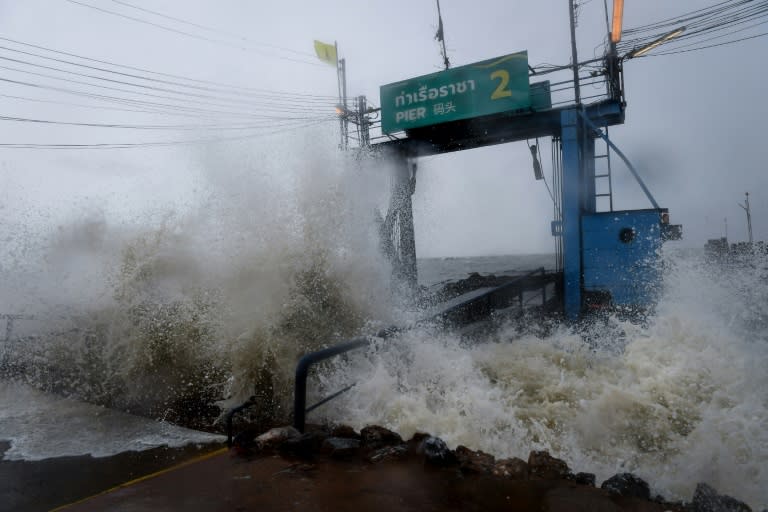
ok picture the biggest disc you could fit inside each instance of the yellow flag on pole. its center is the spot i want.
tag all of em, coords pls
(326, 52)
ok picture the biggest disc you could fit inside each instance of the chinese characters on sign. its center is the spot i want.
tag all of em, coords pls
(440, 109)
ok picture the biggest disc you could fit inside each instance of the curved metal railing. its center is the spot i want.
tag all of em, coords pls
(464, 311)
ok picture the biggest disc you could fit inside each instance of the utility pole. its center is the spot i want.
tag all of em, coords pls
(574, 56)
(745, 206)
(362, 118)
(344, 117)
(612, 61)
(341, 79)
(338, 82)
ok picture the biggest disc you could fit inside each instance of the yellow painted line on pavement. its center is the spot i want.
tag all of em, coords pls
(143, 478)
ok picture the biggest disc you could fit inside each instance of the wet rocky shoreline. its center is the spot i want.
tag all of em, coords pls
(334, 469)
(541, 480)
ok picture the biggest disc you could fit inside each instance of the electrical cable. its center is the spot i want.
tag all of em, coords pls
(158, 73)
(271, 103)
(188, 34)
(150, 144)
(265, 95)
(144, 103)
(95, 107)
(268, 124)
(708, 46)
(677, 47)
(164, 97)
(698, 29)
(705, 23)
(698, 33)
(677, 19)
(721, 17)
(214, 30)
(138, 110)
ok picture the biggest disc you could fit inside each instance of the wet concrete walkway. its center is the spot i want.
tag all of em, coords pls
(224, 482)
(41, 485)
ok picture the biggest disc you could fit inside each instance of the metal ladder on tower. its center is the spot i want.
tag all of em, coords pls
(604, 173)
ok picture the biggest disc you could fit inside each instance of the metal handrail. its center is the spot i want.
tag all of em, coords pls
(302, 371)
(300, 408)
(496, 298)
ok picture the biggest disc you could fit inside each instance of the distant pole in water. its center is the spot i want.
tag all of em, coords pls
(745, 206)
(440, 36)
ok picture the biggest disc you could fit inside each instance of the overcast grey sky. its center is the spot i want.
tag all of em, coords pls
(694, 124)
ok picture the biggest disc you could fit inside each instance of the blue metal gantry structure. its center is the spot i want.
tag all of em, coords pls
(609, 259)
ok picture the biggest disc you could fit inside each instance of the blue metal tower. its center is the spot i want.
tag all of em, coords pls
(610, 259)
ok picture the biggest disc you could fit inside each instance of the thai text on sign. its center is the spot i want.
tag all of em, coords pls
(482, 88)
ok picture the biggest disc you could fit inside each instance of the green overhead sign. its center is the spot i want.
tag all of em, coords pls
(487, 87)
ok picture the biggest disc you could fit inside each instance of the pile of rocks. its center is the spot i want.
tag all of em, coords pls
(375, 444)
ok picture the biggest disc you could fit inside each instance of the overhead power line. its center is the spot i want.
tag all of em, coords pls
(191, 35)
(682, 18)
(698, 42)
(214, 30)
(94, 107)
(159, 73)
(270, 103)
(264, 124)
(693, 31)
(709, 46)
(199, 116)
(264, 95)
(155, 143)
(186, 109)
(716, 22)
(222, 102)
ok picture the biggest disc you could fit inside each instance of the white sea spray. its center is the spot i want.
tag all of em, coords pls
(276, 253)
(677, 401)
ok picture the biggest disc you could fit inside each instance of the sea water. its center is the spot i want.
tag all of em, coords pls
(677, 401)
(171, 316)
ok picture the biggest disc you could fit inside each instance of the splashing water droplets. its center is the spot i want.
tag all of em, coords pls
(274, 253)
(211, 299)
(678, 401)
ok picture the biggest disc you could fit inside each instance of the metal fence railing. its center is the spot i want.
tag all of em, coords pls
(507, 295)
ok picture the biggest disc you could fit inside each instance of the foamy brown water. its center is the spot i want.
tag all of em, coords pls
(677, 402)
(169, 313)
(165, 314)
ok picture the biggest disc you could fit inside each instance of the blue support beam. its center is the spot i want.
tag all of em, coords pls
(575, 126)
(572, 207)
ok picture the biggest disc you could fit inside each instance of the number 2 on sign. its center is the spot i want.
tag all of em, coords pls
(502, 90)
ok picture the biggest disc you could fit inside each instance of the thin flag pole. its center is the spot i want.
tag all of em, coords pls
(338, 75)
(440, 36)
(338, 83)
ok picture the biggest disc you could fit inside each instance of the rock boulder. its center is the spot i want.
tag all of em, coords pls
(543, 465)
(706, 499)
(627, 484)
